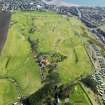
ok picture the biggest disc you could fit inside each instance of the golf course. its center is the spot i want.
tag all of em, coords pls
(54, 34)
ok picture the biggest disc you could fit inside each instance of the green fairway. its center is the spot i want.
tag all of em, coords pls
(55, 33)
(78, 97)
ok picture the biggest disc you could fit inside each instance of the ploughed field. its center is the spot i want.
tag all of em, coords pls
(19, 71)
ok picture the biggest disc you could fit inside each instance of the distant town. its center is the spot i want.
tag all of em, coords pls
(93, 17)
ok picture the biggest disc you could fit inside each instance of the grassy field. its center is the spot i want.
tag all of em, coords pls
(55, 33)
(6, 88)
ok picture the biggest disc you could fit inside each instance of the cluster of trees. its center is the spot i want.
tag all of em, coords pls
(53, 58)
(44, 95)
(91, 83)
(57, 57)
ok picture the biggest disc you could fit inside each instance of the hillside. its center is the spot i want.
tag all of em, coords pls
(59, 38)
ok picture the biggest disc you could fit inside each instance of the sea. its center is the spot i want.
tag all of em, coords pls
(99, 3)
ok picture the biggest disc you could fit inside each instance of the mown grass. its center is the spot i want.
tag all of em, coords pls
(6, 89)
(78, 97)
(55, 33)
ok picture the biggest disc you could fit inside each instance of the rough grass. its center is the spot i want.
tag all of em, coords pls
(55, 33)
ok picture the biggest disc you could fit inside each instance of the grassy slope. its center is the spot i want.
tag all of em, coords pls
(63, 39)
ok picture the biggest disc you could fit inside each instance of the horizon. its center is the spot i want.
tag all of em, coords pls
(100, 3)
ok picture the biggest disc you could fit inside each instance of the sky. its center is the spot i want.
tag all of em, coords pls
(88, 2)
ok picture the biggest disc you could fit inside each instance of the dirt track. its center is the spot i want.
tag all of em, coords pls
(4, 25)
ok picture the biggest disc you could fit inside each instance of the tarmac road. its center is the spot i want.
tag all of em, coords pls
(4, 25)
